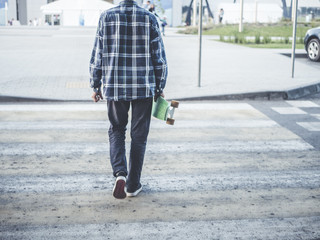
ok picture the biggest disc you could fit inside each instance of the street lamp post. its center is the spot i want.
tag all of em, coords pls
(194, 13)
(241, 16)
(294, 34)
(200, 42)
(6, 13)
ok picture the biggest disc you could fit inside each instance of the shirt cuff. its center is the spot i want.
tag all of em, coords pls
(159, 91)
(96, 90)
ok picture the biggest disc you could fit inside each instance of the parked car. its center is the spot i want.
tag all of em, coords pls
(312, 44)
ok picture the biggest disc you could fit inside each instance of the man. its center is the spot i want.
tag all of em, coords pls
(128, 60)
(147, 5)
(221, 13)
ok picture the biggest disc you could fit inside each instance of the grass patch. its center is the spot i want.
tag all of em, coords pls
(279, 30)
(275, 45)
(257, 35)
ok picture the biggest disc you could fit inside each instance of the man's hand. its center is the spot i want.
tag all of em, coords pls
(156, 96)
(96, 96)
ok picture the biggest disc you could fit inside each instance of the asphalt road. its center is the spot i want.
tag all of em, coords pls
(302, 57)
(226, 170)
(298, 118)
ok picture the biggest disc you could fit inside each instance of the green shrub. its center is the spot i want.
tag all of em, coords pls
(257, 39)
(236, 38)
(286, 40)
(189, 30)
(301, 40)
(222, 38)
(267, 40)
(242, 39)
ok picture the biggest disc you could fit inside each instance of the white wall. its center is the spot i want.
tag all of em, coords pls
(71, 17)
(177, 13)
(33, 9)
(266, 13)
(12, 9)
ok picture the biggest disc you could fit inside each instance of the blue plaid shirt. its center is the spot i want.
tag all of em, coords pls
(128, 57)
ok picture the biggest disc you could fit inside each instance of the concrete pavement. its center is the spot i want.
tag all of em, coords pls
(224, 171)
(52, 63)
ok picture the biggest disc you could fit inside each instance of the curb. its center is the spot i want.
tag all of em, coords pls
(292, 94)
(13, 99)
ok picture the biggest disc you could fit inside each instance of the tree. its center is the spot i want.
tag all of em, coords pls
(284, 9)
(286, 14)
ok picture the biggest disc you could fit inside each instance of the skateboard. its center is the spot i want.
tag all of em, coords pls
(164, 110)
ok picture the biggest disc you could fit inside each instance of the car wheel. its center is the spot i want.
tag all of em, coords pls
(314, 50)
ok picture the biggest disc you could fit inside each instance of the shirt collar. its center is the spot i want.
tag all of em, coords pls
(128, 2)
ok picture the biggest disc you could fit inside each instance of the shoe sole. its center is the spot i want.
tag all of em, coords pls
(118, 190)
(134, 194)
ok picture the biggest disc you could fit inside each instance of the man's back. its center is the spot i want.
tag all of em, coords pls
(128, 55)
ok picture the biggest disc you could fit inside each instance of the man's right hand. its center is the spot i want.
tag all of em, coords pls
(156, 96)
(96, 96)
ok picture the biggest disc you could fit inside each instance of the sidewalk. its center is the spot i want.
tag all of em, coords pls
(52, 63)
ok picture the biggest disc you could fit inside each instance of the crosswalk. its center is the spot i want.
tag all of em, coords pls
(223, 171)
(300, 108)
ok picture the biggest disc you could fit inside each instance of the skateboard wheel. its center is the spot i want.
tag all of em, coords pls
(174, 104)
(170, 121)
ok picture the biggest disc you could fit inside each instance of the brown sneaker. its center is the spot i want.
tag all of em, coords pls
(118, 189)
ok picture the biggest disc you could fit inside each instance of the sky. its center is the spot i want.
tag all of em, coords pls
(2, 3)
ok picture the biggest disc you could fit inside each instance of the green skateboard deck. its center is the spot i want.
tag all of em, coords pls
(164, 110)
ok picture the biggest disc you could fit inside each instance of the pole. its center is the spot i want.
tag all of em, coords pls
(6, 13)
(293, 54)
(200, 41)
(241, 16)
(194, 22)
(256, 13)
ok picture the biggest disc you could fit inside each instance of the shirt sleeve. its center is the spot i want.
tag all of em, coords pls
(158, 56)
(95, 67)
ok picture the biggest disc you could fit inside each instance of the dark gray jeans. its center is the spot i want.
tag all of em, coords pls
(140, 124)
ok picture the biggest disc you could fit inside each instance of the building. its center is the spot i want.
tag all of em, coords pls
(176, 10)
(74, 12)
(24, 11)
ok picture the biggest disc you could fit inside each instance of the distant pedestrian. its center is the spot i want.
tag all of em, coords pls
(147, 5)
(163, 25)
(132, 73)
(35, 22)
(152, 9)
(221, 13)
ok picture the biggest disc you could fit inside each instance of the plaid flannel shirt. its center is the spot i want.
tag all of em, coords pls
(128, 57)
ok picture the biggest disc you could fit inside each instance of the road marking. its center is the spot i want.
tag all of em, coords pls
(189, 124)
(310, 126)
(216, 106)
(53, 107)
(304, 104)
(156, 147)
(288, 110)
(163, 183)
(52, 125)
(263, 228)
(316, 116)
(103, 106)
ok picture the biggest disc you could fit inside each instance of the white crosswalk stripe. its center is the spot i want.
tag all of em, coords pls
(222, 164)
(300, 108)
(304, 104)
(310, 126)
